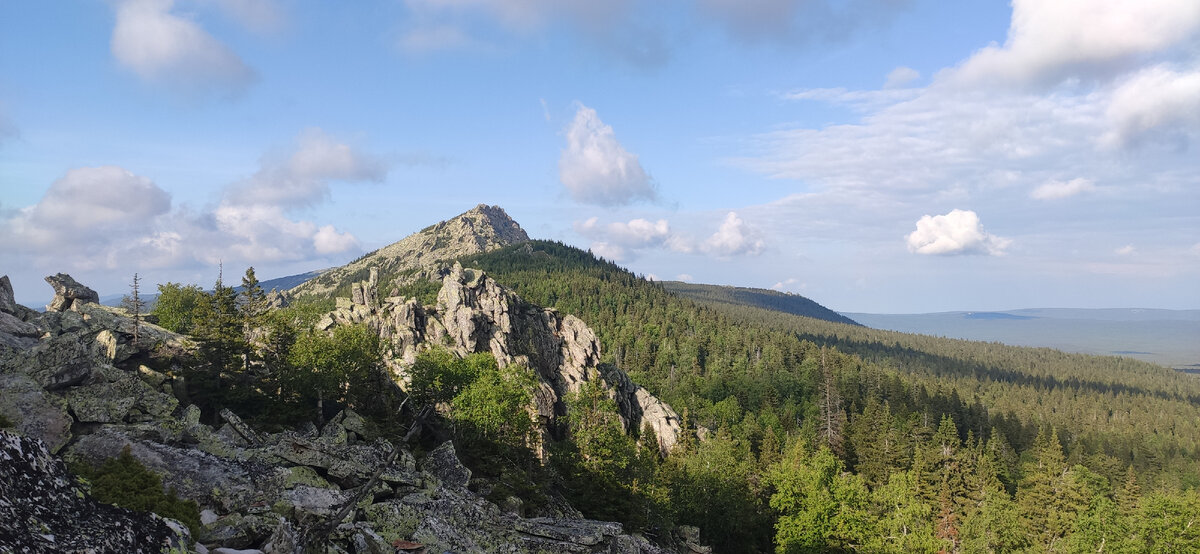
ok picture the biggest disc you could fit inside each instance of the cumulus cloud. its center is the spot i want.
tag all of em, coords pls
(1055, 190)
(88, 208)
(685, 278)
(169, 49)
(620, 240)
(255, 212)
(900, 77)
(301, 177)
(1049, 42)
(597, 169)
(1154, 100)
(109, 217)
(734, 238)
(958, 232)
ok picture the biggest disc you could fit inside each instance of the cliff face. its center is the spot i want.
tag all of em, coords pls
(74, 382)
(480, 229)
(475, 314)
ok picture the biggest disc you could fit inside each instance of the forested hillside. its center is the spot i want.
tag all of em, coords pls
(760, 298)
(950, 445)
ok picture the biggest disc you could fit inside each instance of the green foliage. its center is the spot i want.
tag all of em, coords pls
(424, 290)
(123, 481)
(340, 367)
(438, 375)
(821, 508)
(6, 423)
(494, 408)
(606, 475)
(178, 307)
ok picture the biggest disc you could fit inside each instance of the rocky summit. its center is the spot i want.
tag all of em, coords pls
(480, 229)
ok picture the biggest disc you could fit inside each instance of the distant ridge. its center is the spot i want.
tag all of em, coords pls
(759, 298)
(480, 229)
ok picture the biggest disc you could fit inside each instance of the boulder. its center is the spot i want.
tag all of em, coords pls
(33, 411)
(444, 464)
(43, 510)
(17, 333)
(68, 292)
(218, 483)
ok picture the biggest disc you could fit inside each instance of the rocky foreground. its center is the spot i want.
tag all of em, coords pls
(74, 386)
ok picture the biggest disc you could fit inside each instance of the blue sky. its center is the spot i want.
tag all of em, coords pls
(874, 155)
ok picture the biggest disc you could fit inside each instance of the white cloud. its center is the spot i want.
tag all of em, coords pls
(786, 283)
(108, 217)
(901, 77)
(302, 177)
(165, 48)
(734, 238)
(685, 278)
(1054, 190)
(1154, 100)
(89, 208)
(596, 169)
(637, 233)
(621, 240)
(1049, 42)
(609, 251)
(958, 232)
(1124, 250)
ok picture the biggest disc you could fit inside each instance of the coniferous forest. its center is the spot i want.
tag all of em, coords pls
(820, 436)
(800, 435)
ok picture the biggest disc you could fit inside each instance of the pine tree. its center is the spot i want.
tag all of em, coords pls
(832, 418)
(133, 303)
(1048, 498)
(253, 309)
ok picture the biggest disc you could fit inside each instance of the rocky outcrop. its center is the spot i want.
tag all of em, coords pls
(87, 390)
(475, 314)
(68, 292)
(42, 509)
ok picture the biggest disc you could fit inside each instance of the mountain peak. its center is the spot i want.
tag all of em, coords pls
(480, 229)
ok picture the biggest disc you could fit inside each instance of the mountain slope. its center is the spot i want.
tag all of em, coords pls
(760, 298)
(480, 229)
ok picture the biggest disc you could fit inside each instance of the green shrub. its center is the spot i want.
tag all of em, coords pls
(123, 481)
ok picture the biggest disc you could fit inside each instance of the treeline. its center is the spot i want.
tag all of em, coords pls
(963, 432)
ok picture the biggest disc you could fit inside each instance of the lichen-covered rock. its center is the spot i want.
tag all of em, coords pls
(33, 411)
(68, 292)
(125, 399)
(42, 510)
(444, 464)
(220, 483)
(16, 333)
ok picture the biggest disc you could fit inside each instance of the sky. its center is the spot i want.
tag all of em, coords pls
(883, 156)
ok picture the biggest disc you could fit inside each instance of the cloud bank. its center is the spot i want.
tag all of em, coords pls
(109, 217)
